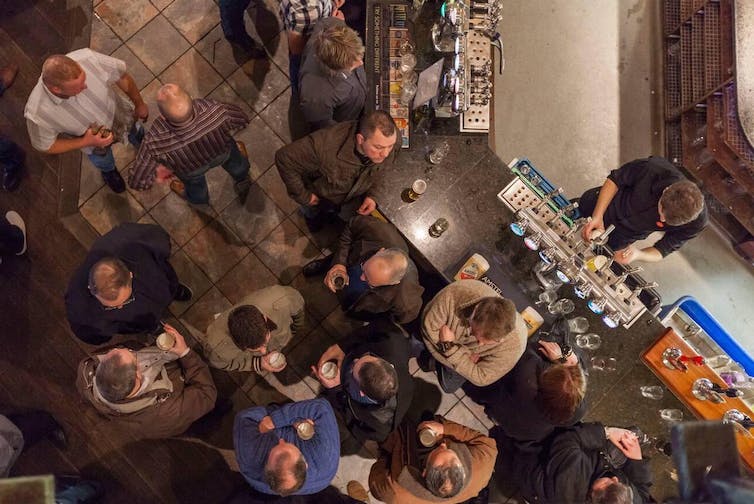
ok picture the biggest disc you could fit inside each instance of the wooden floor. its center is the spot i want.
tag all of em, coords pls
(38, 353)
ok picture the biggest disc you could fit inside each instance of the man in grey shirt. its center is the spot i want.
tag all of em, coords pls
(332, 82)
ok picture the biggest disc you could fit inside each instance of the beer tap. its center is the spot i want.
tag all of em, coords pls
(622, 277)
(602, 238)
(561, 212)
(735, 416)
(547, 198)
(730, 391)
(575, 226)
(704, 390)
(638, 290)
(612, 319)
(582, 289)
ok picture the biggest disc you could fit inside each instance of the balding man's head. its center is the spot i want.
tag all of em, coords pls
(174, 103)
(386, 267)
(63, 76)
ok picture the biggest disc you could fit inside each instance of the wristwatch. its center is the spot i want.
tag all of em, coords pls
(444, 346)
(565, 352)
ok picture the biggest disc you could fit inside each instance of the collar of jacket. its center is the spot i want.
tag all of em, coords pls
(347, 150)
(160, 390)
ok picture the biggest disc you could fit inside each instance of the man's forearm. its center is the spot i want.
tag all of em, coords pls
(127, 84)
(63, 145)
(607, 193)
(649, 254)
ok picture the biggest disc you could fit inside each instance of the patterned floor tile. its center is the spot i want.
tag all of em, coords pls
(326, 238)
(123, 154)
(224, 93)
(428, 396)
(193, 18)
(158, 44)
(478, 411)
(320, 302)
(277, 49)
(181, 220)
(204, 309)
(280, 114)
(463, 415)
(134, 66)
(161, 4)
(290, 384)
(246, 277)
(126, 17)
(216, 250)
(265, 18)
(103, 39)
(285, 251)
(258, 82)
(261, 143)
(275, 188)
(222, 188)
(192, 72)
(105, 209)
(219, 52)
(306, 353)
(338, 325)
(149, 95)
(253, 217)
(191, 275)
(152, 196)
(90, 180)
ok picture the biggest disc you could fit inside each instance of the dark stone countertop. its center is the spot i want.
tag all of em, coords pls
(463, 189)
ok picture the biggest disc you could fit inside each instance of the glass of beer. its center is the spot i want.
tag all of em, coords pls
(417, 189)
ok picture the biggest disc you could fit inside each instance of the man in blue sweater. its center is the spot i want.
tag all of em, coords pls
(274, 451)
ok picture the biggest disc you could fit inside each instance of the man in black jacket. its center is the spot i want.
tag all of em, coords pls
(124, 285)
(578, 465)
(641, 197)
(380, 277)
(373, 387)
(545, 390)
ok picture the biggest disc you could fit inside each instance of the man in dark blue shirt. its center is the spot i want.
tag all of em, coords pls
(276, 459)
(643, 196)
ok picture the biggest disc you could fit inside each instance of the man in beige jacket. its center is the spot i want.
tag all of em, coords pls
(475, 334)
(244, 337)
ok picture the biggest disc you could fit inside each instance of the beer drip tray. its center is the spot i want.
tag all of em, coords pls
(519, 195)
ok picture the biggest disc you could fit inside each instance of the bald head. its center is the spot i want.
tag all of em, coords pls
(386, 267)
(174, 103)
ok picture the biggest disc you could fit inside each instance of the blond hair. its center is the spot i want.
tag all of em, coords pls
(59, 69)
(339, 47)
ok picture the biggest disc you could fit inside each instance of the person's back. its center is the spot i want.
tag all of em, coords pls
(332, 82)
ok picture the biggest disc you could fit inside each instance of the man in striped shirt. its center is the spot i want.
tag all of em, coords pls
(190, 138)
(74, 98)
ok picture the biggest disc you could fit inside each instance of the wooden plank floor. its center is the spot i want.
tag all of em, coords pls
(38, 353)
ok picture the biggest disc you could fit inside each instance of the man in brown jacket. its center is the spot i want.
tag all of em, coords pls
(474, 334)
(146, 391)
(379, 277)
(453, 471)
(335, 165)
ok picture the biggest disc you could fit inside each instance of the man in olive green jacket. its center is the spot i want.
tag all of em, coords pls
(472, 331)
(335, 165)
(243, 337)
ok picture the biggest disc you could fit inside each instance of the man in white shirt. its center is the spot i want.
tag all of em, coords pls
(75, 106)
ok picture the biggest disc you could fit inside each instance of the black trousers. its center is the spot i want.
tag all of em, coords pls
(617, 239)
(35, 425)
(11, 238)
(11, 155)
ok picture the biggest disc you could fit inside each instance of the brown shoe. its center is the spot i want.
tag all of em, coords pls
(177, 187)
(242, 147)
(357, 491)
(8, 75)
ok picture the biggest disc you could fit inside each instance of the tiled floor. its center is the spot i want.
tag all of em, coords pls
(235, 246)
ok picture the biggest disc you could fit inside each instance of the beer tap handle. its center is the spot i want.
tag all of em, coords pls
(602, 239)
(547, 198)
(730, 391)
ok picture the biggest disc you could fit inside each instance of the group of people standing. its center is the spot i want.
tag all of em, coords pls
(158, 385)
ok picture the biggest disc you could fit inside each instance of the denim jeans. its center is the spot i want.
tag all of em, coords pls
(231, 20)
(294, 63)
(196, 182)
(106, 162)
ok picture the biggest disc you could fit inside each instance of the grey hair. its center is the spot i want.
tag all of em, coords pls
(398, 261)
(445, 481)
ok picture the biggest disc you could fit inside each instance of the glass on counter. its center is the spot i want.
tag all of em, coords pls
(654, 392)
(606, 364)
(671, 415)
(408, 63)
(561, 307)
(578, 325)
(437, 154)
(438, 227)
(408, 91)
(589, 341)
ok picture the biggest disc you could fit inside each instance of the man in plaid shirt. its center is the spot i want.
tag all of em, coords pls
(299, 17)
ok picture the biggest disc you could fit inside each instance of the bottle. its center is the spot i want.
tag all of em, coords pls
(533, 320)
(474, 268)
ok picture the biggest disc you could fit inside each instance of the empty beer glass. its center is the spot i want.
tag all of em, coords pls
(654, 392)
(589, 341)
(561, 307)
(671, 415)
(578, 325)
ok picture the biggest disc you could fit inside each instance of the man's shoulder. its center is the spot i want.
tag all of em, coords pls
(37, 99)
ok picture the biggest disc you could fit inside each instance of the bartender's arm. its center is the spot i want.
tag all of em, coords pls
(607, 193)
(631, 254)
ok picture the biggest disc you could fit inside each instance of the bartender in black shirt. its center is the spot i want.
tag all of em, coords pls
(640, 197)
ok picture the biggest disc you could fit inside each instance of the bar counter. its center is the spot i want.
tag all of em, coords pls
(463, 189)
